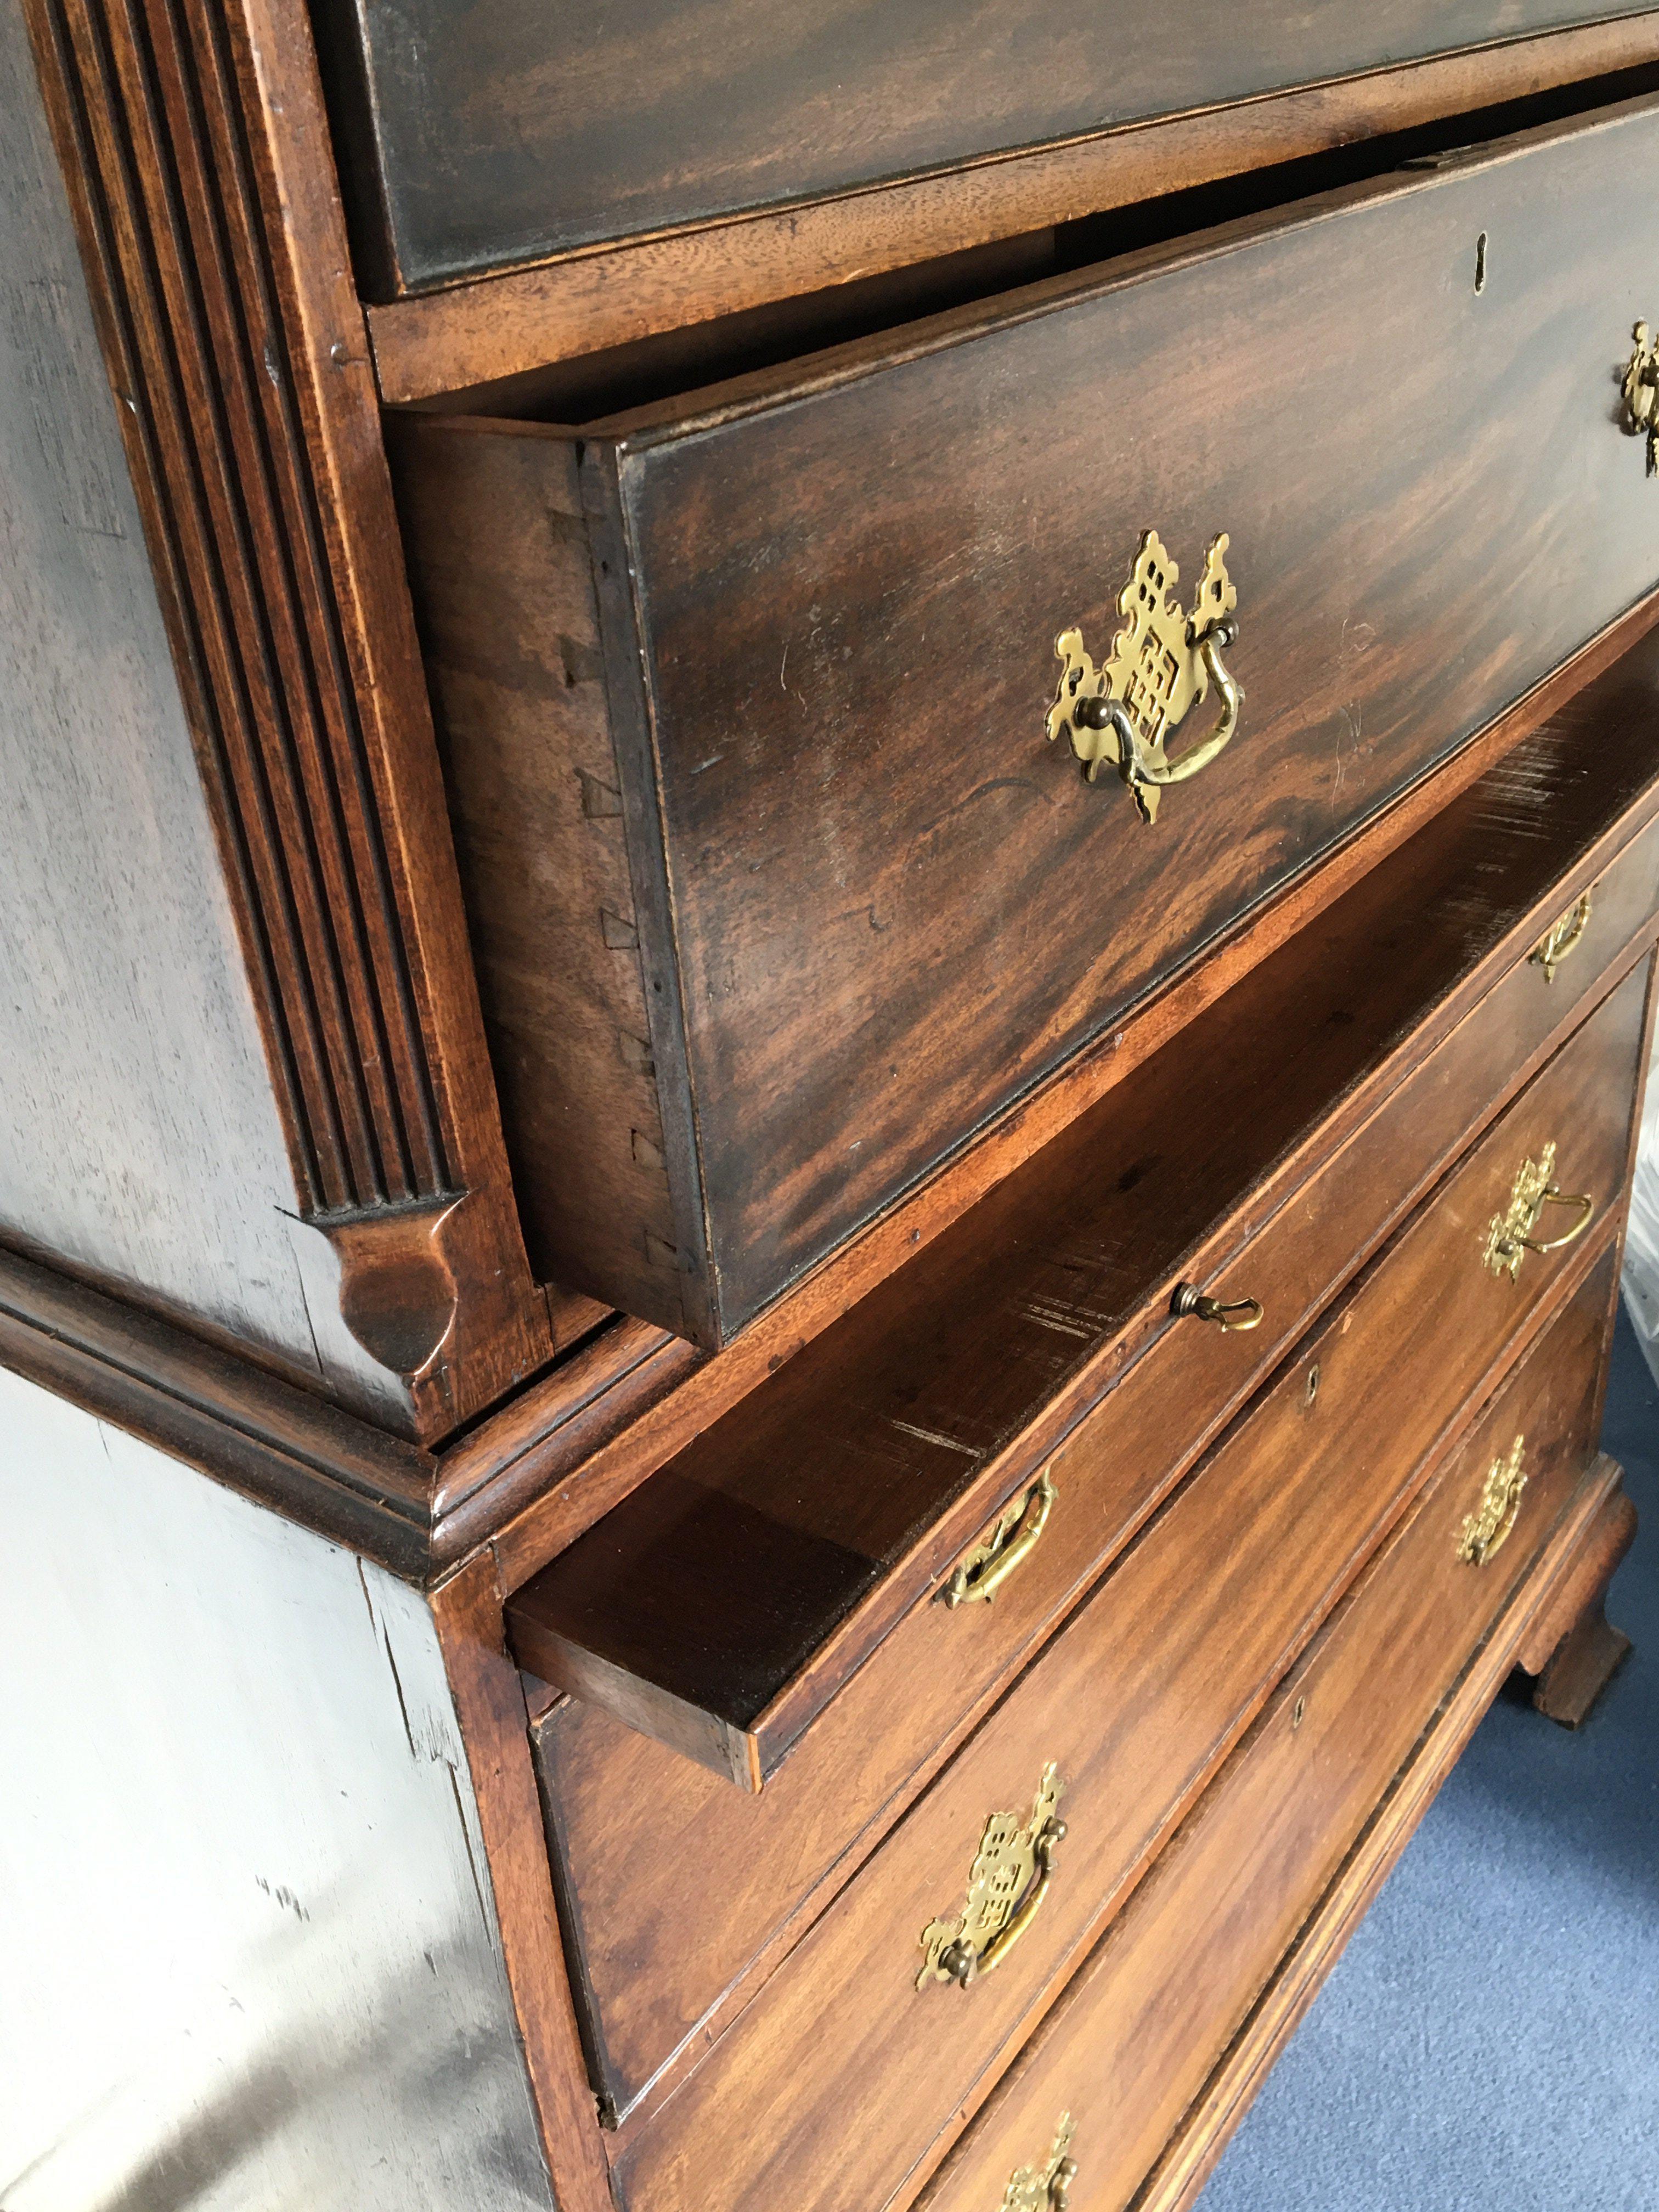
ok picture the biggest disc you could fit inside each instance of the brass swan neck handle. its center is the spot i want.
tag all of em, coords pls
(1126, 708)
(1138, 763)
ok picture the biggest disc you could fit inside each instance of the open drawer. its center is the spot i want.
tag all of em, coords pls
(767, 776)
(1315, 1104)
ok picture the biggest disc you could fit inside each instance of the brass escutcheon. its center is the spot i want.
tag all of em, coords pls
(1006, 1886)
(981, 1573)
(1487, 1530)
(1162, 663)
(1045, 2188)
(1561, 938)
(1509, 1234)
(1640, 387)
(1238, 1314)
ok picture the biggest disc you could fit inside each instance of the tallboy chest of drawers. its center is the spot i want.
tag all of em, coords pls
(827, 969)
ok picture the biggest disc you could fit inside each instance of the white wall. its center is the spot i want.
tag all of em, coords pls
(248, 1955)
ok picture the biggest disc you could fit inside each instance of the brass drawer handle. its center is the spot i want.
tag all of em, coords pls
(1045, 2188)
(982, 1572)
(1006, 1886)
(1557, 942)
(1240, 1314)
(1641, 394)
(1161, 663)
(1489, 1527)
(1508, 1234)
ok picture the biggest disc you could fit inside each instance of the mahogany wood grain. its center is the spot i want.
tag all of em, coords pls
(524, 1463)
(507, 324)
(867, 889)
(552, 1460)
(843, 1487)
(489, 1703)
(194, 145)
(1143, 2022)
(1176, 2182)
(889, 1724)
(514, 136)
(1572, 1649)
(1137, 1702)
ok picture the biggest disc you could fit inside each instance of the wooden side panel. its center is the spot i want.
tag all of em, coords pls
(138, 1138)
(513, 652)
(192, 137)
(481, 135)
(489, 1705)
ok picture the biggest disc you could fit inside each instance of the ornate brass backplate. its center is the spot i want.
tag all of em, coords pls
(1044, 2188)
(1487, 1530)
(1161, 663)
(1561, 938)
(1641, 390)
(1509, 1234)
(1006, 1884)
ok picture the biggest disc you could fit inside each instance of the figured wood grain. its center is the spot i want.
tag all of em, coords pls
(560, 1457)
(888, 1724)
(799, 2097)
(192, 139)
(474, 137)
(1143, 2022)
(1175, 2184)
(878, 918)
(844, 1484)
(577, 304)
(554, 1457)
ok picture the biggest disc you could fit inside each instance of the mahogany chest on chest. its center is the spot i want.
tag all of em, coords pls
(838, 873)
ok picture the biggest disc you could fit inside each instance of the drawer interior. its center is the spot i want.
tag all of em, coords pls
(723, 1604)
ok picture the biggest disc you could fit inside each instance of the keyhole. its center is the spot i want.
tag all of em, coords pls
(1480, 263)
(1300, 1713)
(1313, 1383)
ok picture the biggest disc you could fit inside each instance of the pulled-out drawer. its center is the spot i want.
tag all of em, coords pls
(962, 1348)
(785, 873)
(854, 2054)
(1133, 2041)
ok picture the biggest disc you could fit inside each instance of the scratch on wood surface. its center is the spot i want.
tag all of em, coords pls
(932, 1437)
(1055, 1318)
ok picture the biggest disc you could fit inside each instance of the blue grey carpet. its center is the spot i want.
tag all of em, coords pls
(1490, 2040)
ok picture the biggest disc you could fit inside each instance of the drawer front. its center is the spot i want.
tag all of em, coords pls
(624, 1810)
(876, 901)
(1132, 2042)
(527, 130)
(841, 2068)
